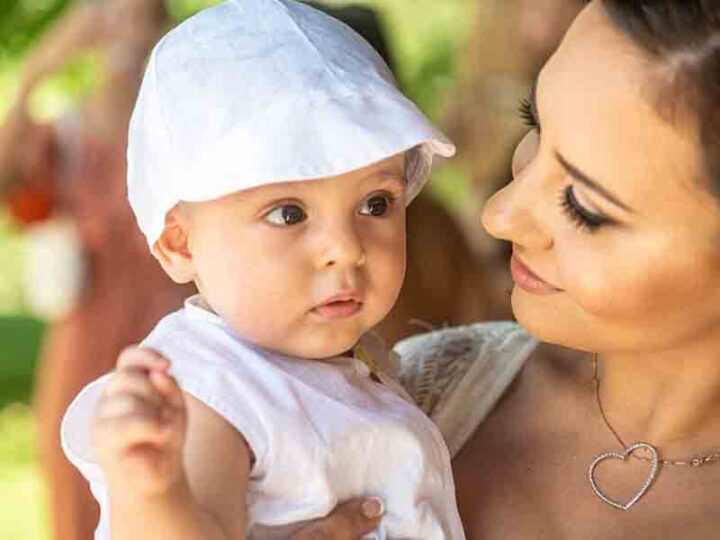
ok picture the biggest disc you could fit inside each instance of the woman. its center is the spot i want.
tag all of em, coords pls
(614, 218)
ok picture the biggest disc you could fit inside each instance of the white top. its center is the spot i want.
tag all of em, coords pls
(457, 375)
(321, 432)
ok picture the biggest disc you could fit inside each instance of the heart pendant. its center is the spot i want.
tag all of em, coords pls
(654, 460)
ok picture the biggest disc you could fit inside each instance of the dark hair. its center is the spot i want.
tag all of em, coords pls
(682, 38)
(365, 21)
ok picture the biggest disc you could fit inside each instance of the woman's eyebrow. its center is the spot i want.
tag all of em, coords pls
(571, 169)
(584, 179)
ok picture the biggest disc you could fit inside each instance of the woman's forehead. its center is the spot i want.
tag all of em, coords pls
(596, 105)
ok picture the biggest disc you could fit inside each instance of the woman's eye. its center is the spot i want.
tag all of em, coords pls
(376, 206)
(578, 214)
(289, 214)
(525, 110)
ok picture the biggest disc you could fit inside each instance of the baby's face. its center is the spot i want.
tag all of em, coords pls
(304, 268)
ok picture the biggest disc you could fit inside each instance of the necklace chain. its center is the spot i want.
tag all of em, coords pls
(696, 461)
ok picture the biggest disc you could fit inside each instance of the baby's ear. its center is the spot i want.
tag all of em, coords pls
(172, 249)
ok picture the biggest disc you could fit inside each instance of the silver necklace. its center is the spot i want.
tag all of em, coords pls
(652, 457)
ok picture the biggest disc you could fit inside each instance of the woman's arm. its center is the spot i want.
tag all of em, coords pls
(15, 129)
(78, 30)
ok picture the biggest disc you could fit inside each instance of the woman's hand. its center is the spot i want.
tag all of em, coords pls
(349, 521)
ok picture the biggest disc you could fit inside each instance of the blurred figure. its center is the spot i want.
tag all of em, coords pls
(66, 181)
(510, 42)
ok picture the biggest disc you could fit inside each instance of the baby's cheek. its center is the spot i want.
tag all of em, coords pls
(256, 295)
(387, 274)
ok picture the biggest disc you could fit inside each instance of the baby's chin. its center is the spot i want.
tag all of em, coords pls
(320, 347)
(309, 337)
(314, 343)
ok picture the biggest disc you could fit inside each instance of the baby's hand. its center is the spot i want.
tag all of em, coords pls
(139, 425)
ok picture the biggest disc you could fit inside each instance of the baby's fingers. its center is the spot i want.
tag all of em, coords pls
(126, 420)
(167, 386)
(135, 382)
(135, 445)
(142, 358)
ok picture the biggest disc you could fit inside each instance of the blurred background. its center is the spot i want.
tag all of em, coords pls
(75, 282)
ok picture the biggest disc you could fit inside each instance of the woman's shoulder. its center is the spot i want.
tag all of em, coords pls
(431, 364)
(456, 375)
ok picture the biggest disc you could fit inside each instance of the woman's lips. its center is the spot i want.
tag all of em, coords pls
(528, 281)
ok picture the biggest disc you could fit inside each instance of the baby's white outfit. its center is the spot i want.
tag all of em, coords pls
(321, 432)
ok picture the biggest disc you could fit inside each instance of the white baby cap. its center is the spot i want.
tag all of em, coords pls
(252, 92)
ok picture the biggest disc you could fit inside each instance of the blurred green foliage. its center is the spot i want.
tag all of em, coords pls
(23, 21)
(425, 36)
(23, 503)
(20, 338)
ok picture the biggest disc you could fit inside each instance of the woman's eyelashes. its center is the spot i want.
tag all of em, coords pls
(288, 214)
(578, 214)
(526, 112)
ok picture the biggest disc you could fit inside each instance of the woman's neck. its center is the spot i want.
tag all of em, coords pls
(669, 398)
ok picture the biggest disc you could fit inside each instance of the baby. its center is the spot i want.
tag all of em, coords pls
(270, 161)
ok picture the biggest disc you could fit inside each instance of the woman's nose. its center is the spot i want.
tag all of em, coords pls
(513, 214)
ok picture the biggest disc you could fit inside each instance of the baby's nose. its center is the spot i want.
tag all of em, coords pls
(344, 248)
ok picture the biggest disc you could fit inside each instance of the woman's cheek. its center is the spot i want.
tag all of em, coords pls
(592, 281)
(621, 281)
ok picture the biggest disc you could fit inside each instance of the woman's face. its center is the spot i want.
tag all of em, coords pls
(616, 242)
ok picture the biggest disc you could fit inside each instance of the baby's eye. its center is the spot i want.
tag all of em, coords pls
(288, 214)
(376, 206)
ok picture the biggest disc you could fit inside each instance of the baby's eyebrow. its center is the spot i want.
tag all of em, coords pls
(388, 172)
(390, 177)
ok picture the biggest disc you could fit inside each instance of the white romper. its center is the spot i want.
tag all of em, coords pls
(321, 432)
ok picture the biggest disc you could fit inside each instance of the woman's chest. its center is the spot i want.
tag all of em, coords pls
(540, 499)
(525, 474)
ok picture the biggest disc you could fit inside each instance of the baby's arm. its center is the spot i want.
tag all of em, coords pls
(174, 467)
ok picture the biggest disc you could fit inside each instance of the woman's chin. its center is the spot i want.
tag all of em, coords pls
(547, 319)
